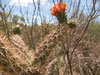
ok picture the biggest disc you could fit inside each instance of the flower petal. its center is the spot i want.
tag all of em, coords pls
(63, 7)
(58, 7)
(53, 14)
(55, 9)
(51, 10)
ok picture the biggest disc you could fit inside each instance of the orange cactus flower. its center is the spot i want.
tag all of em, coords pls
(63, 7)
(58, 9)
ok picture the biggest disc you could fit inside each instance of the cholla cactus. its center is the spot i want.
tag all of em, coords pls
(50, 66)
(59, 12)
(16, 30)
(72, 23)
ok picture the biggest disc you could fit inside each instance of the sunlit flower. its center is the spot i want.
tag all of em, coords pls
(59, 8)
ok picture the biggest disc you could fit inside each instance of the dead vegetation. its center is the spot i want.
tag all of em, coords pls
(49, 49)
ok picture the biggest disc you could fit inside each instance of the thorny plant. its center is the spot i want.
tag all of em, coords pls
(74, 35)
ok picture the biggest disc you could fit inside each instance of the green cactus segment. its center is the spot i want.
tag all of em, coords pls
(62, 18)
(16, 30)
(71, 24)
